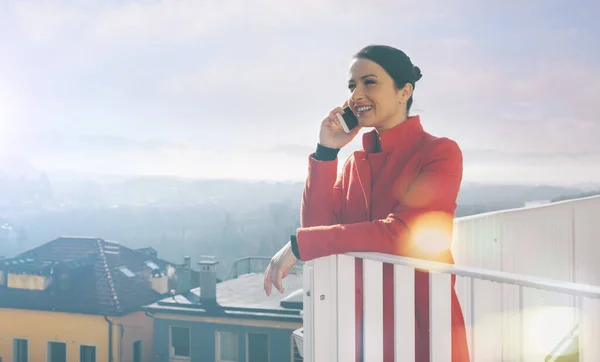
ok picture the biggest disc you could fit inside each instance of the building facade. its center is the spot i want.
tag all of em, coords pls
(80, 300)
(232, 321)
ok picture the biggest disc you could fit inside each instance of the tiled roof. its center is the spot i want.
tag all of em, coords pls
(242, 297)
(96, 283)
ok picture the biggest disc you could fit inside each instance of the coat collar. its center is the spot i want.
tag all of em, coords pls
(401, 138)
(404, 134)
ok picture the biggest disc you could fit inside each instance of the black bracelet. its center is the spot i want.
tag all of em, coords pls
(294, 242)
(325, 153)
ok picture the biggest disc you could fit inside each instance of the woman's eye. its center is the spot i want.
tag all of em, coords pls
(368, 82)
(351, 86)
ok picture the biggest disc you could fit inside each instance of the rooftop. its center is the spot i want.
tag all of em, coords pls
(241, 297)
(89, 275)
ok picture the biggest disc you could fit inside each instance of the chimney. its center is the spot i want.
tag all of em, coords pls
(184, 275)
(208, 280)
(160, 282)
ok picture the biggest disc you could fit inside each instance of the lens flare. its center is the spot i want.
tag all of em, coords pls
(432, 232)
(535, 333)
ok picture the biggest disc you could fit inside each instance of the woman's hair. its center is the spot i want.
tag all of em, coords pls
(396, 63)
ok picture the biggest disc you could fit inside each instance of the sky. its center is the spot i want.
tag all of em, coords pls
(237, 89)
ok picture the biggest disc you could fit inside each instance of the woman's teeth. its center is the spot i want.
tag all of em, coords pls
(363, 108)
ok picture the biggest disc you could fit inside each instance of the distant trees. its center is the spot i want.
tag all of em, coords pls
(576, 196)
(226, 219)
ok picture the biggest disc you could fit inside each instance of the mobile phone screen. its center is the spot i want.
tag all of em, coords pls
(350, 118)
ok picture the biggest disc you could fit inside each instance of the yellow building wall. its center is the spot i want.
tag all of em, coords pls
(75, 330)
(137, 326)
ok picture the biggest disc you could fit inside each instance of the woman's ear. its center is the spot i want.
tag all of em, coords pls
(405, 93)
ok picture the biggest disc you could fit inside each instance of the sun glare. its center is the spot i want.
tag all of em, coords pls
(432, 232)
(541, 329)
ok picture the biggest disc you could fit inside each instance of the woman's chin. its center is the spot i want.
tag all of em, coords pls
(366, 122)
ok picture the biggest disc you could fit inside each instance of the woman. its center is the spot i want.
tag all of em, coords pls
(397, 195)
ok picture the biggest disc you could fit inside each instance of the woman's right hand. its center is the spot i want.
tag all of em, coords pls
(332, 134)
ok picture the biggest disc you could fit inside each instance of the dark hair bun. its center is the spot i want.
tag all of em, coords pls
(417, 73)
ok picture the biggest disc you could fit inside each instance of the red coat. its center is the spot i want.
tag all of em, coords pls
(401, 183)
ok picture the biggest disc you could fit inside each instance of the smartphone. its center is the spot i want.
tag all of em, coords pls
(348, 120)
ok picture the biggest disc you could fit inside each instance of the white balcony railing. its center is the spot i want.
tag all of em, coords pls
(527, 333)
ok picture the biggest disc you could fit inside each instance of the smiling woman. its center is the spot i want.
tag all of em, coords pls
(397, 195)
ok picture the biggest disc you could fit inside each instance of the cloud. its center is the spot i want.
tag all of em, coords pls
(184, 21)
(291, 150)
(48, 21)
(483, 156)
(52, 142)
(528, 105)
(232, 75)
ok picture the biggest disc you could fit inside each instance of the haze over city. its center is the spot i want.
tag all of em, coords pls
(237, 89)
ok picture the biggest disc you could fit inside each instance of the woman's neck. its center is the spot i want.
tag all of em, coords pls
(392, 122)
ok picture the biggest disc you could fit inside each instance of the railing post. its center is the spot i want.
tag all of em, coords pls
(323, 297)
(307, 316)
(373, 310)
(440, 317)
(404, 313)
(346, 308)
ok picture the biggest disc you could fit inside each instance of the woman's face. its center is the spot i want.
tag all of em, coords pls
(374, 97)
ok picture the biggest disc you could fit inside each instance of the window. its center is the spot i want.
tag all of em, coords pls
(125, 270)
(152, 265)
(137, 351)
(57, 352)
(258, 347)
(227, 346)
(20, 350)
(180, 342)
(87, 354)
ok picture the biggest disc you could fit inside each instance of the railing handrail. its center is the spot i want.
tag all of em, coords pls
(524, 208)
(576, 289)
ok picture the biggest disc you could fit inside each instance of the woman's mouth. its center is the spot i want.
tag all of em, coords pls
(361, 110)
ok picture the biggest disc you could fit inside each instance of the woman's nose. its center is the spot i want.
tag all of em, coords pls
(356, 95)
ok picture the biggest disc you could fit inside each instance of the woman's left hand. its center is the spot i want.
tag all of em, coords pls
(279, 267)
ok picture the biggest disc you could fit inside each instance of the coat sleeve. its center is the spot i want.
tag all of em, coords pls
(420, 224)
(321, 198)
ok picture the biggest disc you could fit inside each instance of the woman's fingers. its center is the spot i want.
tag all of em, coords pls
(267, 280)
(273, 277)
(333, 117)
(278, 280)
(335, 111)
